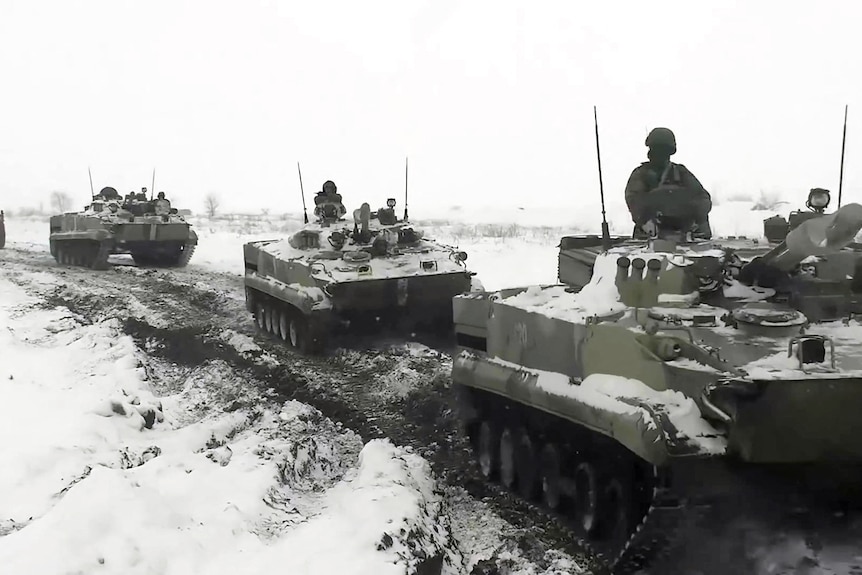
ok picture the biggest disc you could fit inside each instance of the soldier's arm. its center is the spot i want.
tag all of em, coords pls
(635, 190)
(692, 183)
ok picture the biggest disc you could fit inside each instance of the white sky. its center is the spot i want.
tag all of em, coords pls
(491, 100)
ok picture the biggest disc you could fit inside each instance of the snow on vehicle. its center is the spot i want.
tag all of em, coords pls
(326, 275)
(150, 231)
(667, 372)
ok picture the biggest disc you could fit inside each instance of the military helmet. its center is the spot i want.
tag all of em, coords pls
(661, 138)
(329, 187)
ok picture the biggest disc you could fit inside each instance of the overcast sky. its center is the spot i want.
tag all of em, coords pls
(491, 100)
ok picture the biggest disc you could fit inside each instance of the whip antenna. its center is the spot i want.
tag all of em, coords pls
(843, 142)
(606, 234)
(405, 187)
(92, 191)
(302, 193)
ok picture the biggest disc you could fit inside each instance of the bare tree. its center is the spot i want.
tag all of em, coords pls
(211, 204)
(60, 201)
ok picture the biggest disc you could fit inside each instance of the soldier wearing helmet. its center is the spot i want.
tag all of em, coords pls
(327, 203)
(660, 174)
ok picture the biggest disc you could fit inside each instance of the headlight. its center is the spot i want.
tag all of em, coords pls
(818, 198)
(390, 202)
(459, 256)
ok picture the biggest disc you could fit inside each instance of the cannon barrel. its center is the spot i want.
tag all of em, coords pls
(815, 237)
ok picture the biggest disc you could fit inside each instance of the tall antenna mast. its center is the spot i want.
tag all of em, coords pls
(405, 187)
(843, 143)
(606, 234)
(92, 191)
(302, 192)
(153, 187)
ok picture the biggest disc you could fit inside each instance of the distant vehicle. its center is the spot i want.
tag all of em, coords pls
(328, 277)
(152, 232)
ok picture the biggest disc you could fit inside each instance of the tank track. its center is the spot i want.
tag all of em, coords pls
(274, 317)
(179, 259)
(91, 254)
(656, 516)
(186, 255)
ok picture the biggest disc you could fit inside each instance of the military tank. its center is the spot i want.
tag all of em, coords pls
(665, 376)
(150, 231)
(328, 276)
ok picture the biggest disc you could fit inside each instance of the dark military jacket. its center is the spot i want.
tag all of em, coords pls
(647, 177)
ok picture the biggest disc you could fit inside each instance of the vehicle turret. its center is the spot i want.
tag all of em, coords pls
(776, 228)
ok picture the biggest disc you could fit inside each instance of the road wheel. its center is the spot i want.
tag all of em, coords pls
(272, 319)
(507, 458)
(488, 449)
(260, 316)
(284, 325)
(525, 464)
(587, 497)
(615, 513)
(551, 476)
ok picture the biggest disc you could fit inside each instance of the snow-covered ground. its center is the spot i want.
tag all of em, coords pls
(112, 466)
(121, 462)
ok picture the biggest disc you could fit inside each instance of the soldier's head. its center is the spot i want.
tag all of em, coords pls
(662, 145)
(329, 187)
(161, 195)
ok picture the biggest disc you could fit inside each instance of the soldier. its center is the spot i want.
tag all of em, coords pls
(327, 202)
(660, 172)
(108, 193)
(161, 206)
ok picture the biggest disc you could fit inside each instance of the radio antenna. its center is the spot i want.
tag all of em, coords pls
(92, 191)
(405, 187)
(843, 143)
(302, 193)
(606, 234)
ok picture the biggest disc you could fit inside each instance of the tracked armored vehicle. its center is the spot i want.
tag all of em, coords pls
(150, 231)
(665, 376)
(331, 276)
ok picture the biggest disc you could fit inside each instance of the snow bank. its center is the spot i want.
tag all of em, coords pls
(100, 475)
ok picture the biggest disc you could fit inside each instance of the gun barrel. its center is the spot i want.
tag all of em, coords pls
(816, 237)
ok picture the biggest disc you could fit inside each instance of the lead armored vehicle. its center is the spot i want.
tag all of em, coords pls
(150, 231)
(667, 374)
(331, 275)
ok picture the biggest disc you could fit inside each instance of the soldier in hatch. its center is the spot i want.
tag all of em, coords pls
(660, 172)
(161, 206)
(327, 202)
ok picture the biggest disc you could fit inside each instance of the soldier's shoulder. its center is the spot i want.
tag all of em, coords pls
(642, 168)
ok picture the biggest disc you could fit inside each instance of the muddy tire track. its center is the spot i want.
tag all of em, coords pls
(181, 315)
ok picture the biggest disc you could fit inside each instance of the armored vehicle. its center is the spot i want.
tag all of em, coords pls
(150, 231)
(667, 374)
(327, 276)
